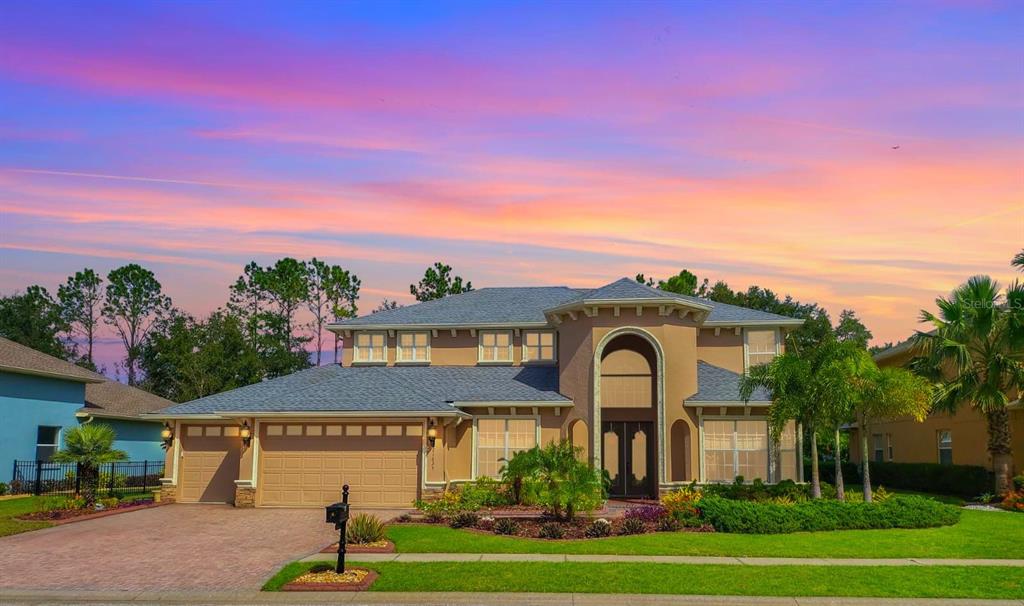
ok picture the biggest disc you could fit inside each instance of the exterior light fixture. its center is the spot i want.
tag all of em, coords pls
(431, 435)
(167, 435)
(246, 433)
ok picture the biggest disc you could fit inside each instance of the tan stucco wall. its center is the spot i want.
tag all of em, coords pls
(725, 350)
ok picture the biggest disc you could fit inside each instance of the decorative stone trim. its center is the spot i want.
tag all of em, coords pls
(168, 493)
(245, 497)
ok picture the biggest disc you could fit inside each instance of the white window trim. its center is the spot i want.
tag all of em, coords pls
(355, 347)
(398, 347)
(554, 347)
(476, 432)
(746, 345)
(703, 459)
(939, 448)
(480, 347)
(56, 445)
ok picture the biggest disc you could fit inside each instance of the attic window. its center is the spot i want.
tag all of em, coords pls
(371, 347)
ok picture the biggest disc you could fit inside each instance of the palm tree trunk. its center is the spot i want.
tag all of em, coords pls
(815, 478)
(840, 486)
(1000, 447)
(90, 482)
(865, 461)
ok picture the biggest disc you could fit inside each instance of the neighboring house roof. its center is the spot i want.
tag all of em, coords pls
(21, 359)
(525, 306)
(103, 397)
(717, 384)
(378, 389)
(117, 400)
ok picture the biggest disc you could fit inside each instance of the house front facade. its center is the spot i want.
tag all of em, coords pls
(41, 397)
(644, 382)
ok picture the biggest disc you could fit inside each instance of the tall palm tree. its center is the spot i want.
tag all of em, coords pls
(886, 393)
(89, 445)
(1018, 261)
(975, 355)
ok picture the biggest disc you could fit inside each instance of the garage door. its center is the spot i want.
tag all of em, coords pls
(306, 464)
(209, 463)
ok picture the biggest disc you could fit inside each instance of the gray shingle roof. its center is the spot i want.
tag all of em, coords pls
(527, 304)
(114, 399)
(384, 389)
(519, 305)
(717, 384)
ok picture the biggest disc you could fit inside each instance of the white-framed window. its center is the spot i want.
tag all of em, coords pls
(538, 346)
(734, 447)
(495, 346)
(888, 445)
(413, 347)
(945, 439)
(499, 438)
(878, 448)
(761, 346)
(47, 442)
(371, 346)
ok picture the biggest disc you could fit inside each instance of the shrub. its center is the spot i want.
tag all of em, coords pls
(646, 513)
(681, 500)
(768, 518)
(1018, 482)
(108, 503)
(964, 481)
(551, 530)
(3, 488)
(598, 528)
(1014, 501)
(485, 523)
(518, 474)
(465, 519)
(364, 528)
(76, 502)
(668, 524)
(51, 504)
(632, 526)
(447, 504)
(565, 484)
(506, 526)
(881, 495)
(786, 491)
(484, 492)
(404, 518)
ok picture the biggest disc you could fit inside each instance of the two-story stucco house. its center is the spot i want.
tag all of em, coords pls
(644, 381)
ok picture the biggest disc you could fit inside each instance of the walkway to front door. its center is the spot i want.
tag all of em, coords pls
(628, 457)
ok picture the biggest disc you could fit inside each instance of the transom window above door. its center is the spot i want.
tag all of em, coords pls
(538, 346)
(370, 347)
(413, 347)
(495, 346)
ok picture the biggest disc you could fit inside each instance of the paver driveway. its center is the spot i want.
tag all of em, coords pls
(170, 547)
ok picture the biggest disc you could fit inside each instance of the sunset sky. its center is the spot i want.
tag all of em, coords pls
(866, 155)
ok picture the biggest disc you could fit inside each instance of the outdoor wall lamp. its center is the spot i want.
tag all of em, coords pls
(167, 435)
(431, 435)
(246, 433)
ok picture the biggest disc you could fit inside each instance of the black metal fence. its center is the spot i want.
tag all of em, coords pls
(45, 477)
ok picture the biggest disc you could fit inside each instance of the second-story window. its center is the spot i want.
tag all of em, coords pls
(413, 347)
(371, 347)
(762, 346)
(538, 346)
(495, 346)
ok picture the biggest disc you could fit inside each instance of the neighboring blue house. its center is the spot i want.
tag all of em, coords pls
(42, 396)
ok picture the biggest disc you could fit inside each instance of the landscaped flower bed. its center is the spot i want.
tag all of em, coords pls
(323, 578)
(62, 510)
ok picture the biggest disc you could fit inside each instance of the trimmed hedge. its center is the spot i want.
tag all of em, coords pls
(967, 481)
(751, 517)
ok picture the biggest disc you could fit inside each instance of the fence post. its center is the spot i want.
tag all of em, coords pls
(113, 468)
(39, 478)
(78, 478)
(145, 476)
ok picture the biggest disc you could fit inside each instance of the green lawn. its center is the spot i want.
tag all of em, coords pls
(10, 508)
(866, 581)
(979, 534)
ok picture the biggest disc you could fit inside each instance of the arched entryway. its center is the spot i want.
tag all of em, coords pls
(628, 406)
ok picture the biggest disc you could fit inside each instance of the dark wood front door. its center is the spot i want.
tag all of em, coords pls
(627, 454)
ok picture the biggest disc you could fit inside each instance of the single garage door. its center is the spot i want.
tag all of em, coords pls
(306, 464)
(209, 461)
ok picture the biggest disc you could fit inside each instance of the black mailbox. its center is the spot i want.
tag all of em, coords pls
(337, 514)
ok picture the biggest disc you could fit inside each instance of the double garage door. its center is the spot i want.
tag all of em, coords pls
(306, 464)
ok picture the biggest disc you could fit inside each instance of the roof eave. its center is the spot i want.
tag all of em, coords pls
(310, 413)
(49, 375)
(579, 303)
(99, 414)
(512, 404)
(779, 322)
(731, 403)
(435, 326)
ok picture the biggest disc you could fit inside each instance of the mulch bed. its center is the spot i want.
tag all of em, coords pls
(353, 579)
(378, 547)
(530, 528)
(67, 516)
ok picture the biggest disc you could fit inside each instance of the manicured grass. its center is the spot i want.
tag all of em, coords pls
(979, 534)
(579, 577)
(10, 508)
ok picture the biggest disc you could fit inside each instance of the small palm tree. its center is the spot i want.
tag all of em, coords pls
(1018, 261)
(90, 445)
(975, 355)
(517, 471)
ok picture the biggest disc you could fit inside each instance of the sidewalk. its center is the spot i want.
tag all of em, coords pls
(35, 598)
(729, 561)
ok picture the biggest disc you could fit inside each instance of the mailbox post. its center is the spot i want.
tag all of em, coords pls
(337, 514)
